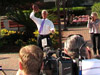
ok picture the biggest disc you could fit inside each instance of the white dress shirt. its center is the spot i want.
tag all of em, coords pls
(94, 27)
(91, 67)
(47, 27)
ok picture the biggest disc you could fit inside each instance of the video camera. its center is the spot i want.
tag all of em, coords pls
(57, 63)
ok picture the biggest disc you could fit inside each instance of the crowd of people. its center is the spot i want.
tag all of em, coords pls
(31, 56)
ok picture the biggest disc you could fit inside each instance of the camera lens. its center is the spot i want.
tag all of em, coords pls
(90, 17)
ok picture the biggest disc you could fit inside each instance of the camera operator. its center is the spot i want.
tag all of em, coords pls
(49, 61)
(30, 60)
(72, 48)
(94, 30)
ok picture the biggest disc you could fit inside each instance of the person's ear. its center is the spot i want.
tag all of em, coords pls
(20, 65)
(65, 50)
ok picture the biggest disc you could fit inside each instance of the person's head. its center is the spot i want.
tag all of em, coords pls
(44, 14)
(31, 57)
(94, 15)
(73, 44)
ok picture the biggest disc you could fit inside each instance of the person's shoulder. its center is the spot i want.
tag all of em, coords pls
(49, 20)
(98, 20)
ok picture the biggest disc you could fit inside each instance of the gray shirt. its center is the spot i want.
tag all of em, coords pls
(94, 26)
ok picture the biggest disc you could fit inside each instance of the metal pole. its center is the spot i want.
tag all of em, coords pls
(65, 27)
(59, 23)
(0, 26)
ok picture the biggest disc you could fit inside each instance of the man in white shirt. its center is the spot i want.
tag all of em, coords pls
(44, 25)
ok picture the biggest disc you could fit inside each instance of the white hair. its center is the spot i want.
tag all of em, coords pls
(73, 44)
(44, 11)
(73, 41)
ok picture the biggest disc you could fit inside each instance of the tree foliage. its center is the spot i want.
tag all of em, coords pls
(22, 17)
(96, 8)
(19, 4)
(77, 2)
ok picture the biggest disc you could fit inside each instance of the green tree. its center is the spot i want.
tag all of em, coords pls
(96, 8)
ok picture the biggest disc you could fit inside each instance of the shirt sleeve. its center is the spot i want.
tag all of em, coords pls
(52, 26)
(98, 23)
(89, 24)
(35, 19)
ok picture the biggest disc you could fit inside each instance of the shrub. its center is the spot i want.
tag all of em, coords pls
(31, 41)
(79, 10)
(4, 32)
(2, 43)
(22, 17)
(74, 10)
(14, 40)
(20, 43)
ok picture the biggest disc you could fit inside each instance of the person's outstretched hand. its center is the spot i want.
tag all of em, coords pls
(35, 8)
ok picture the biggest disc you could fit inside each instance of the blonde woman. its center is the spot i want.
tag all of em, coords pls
(94, 30)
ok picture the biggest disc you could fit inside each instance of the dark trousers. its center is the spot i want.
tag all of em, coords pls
(39, 40)
(95, 38)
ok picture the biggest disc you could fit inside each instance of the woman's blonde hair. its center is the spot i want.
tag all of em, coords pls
(95, 14)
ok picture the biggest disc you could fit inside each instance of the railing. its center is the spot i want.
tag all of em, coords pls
(12, 24)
